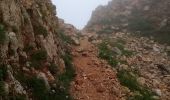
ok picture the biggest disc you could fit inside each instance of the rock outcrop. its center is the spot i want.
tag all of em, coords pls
(31, 51)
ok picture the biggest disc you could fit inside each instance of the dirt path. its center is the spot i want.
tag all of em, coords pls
(95, 80)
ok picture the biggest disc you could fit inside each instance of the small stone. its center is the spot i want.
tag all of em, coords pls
(117, 50)
(141, 80)
(158, 92)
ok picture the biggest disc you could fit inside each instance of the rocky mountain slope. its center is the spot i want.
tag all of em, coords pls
(43, 58)
(34, 59)
(142, 64)
(150, 18)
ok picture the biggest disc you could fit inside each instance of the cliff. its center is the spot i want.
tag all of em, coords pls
(33, 57)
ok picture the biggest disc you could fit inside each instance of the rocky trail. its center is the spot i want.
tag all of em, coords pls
(95, 80)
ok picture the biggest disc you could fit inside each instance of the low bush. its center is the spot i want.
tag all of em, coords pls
(107, 54)
(2, 89)
(39, 88)
(65, 38)
(37, 58)
(28, 48)
(3, 72)
(130, 81)
(66, 78)
(2, 34)
(40, 30)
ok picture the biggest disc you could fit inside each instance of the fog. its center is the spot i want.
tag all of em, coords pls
(77, 12)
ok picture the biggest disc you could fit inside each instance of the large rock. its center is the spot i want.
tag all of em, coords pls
(75, 40)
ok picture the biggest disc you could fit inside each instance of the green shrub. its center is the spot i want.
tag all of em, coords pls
(127, 53)
(107, 54)
(37, 58)
(17, 97)
(2, 35)
(28, 48)
(120, 44)
(119, 40)
(168, 52)
(39, 88)
(65, 38)
(130, 81)
(68, 76)
(3, 72)
(2, 88)
(40, 30)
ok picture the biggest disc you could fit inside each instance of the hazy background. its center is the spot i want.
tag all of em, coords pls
(77, 12)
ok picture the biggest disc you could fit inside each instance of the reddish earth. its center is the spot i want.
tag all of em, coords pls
(95, 79)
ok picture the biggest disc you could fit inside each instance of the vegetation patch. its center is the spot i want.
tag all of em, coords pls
(39, 88)
(3, 72)
(66, 78)
(107, 54)
(37, 58)
(168, 52)
(69, 75)
(66, 39)
(2, 88)
(129, 80)
(40, 30)
(28, 48)
(126, 78)
(2, 34)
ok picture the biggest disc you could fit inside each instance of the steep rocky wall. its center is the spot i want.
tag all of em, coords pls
(29, 46)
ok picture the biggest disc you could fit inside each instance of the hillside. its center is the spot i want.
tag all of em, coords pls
(149, 18)
(44, 58)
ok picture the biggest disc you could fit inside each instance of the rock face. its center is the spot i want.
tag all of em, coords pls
(29, 44)
(147, 17)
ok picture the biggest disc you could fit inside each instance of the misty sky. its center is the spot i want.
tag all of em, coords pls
(77, 12)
